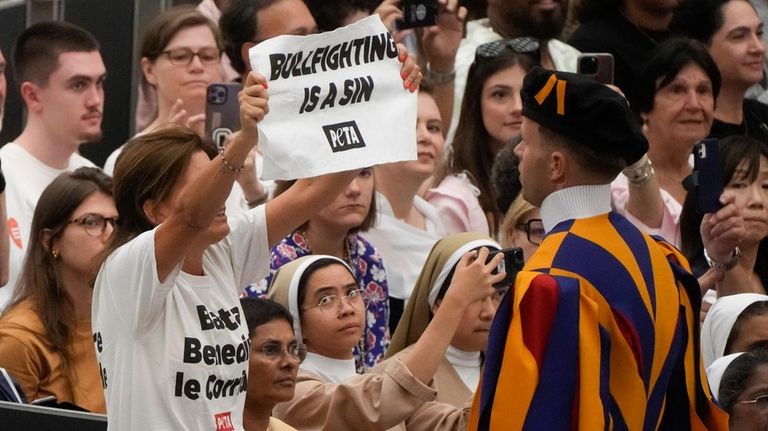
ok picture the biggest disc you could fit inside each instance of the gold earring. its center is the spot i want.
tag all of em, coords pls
(55, 254)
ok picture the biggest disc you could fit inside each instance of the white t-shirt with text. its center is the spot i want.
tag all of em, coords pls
(174, 355)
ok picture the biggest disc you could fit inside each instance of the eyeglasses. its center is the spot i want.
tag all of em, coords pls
(273, 351)
(184, 56)
(331, 304)
(520, 45)
(760, 402)
(94, 224)
(534, 230)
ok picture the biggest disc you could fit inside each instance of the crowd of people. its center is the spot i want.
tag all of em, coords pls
(175, 289)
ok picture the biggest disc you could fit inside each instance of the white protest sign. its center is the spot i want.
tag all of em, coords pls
(336, 102)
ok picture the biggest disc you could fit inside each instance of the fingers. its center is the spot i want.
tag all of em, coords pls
(195, 121)
(254, 98)
(710, 279)
(410, 72)
(177, 112)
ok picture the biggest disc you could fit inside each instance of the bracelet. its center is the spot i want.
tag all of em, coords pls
(724, 266)
(229, 165)
(440, 77)
(640, 172)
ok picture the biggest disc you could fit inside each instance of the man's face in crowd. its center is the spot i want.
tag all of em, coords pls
(534, 157)
(72, 102)
(542, 19)
(285, 17)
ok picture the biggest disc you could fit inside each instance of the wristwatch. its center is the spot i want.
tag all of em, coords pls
(724, 266)
(440, 77)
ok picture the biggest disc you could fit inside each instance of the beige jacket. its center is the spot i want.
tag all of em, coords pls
(391, 399)
(447, 382)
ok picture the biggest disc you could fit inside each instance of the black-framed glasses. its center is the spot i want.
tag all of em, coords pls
(520, 45)
(273, 351)
(534, 230)
(184, 56)
(760, 402)
(331, 305)
(94, 224)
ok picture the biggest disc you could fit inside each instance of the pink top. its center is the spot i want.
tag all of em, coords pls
(457, 205)
(670, 223)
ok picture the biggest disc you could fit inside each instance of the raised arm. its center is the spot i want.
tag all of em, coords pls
(472, 281)
(182, 223)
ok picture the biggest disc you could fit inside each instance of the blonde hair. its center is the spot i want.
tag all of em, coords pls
(519, 208)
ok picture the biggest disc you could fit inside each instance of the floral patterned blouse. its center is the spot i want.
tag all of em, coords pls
(365, 260)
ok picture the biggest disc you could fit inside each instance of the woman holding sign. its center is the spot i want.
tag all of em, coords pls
(168, 327)
(170, 337)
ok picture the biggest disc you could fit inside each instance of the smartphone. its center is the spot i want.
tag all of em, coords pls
(709, 180)
(417, 13)
(599, 66)
(512, 263)
(222, 112)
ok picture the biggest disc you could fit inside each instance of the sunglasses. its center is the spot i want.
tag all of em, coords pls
(520, 45)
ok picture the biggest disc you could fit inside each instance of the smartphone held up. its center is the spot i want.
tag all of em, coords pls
(512, 263)
(222, 112)
(707, 176)
(598, 66)
(417, 13)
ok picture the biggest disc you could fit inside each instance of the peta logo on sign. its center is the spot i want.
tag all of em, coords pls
(343, 136)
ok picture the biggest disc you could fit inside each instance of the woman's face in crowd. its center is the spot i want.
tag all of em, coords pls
(219, 228)
(429, 138)
(738, 46)
(187, 82)
(82, 240)
(752, 416)
(351, 206)
(683, 109)
(273, 380)
(501, 105)
(472, 332)
(335, 329)
(752, 198)
(519, 236)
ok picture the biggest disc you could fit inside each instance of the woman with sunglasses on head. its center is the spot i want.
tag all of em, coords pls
(674, 98)
(329, 313)
(491, 115)
(459, 371)
(45, 332)
(273, 363)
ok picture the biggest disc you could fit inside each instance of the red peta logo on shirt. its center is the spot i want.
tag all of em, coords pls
(224, 422)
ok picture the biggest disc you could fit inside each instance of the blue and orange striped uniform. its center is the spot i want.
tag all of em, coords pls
(599, 333)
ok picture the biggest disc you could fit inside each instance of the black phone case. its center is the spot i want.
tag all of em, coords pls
(709, 179)
(222, 112)
(417, 13)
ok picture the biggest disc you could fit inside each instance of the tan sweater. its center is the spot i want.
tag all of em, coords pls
(29, 357)
(392, 399)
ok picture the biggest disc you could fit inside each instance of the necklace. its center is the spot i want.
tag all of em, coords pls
(640, 30)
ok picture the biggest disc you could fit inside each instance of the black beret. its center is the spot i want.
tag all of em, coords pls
(585, 111)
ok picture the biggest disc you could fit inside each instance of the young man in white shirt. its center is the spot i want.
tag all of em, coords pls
(61, 75)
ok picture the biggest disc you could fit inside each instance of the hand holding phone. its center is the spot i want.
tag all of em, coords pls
(709, 179)
(417, 13)
(512, 263)
(598, 66)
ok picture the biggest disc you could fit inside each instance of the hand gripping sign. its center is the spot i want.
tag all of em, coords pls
(336, 102)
